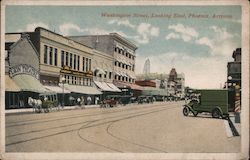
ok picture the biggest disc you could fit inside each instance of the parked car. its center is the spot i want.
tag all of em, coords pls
(210, 101)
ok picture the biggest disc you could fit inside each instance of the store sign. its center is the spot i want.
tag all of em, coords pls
(24, 69)
(68, 70)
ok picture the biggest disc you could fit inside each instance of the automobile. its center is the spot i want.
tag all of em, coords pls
(210, 101)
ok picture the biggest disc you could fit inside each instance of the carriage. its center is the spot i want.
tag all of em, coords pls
(45, 103)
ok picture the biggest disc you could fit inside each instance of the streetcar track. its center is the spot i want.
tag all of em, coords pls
(125, 118)
(70, 117)
(69, 125)
(58, 133)
(125, 140)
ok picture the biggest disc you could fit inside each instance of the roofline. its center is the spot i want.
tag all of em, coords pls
(60, 36)
(123, 39)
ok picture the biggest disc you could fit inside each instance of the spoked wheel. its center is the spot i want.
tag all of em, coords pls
(185, 111)
(216, 113)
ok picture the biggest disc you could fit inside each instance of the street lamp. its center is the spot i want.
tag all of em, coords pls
(63, 81)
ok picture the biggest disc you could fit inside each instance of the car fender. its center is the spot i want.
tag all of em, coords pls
(218, 109)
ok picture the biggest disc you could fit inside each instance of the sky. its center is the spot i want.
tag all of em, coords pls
(195, 40)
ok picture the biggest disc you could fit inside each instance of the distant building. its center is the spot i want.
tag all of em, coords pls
(173, 82)
(146, 68)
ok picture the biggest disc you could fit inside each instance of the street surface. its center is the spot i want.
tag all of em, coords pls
(145, 128)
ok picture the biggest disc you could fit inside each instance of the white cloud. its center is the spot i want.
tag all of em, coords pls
(172, 36)
(67, 27)
(205, 41)
(32, 26)
(125, 23)
(184, 30)
(221, 32)
(145, 32)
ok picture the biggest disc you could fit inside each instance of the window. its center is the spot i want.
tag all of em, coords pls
(55, 60)
(129, 56)
(74, 61)
(72, 80)
(50, 55)
(75, 81)
(119, 64)
(45, 56)
(110, 75)
(105, 75)
(83, 63)
(87, 66)
(67, 59)
(78, 63)
(70, 60)
(67, 79)
(62, 58)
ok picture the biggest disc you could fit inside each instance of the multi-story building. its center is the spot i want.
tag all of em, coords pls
(21, 71)
(123, 53)
(65, 66)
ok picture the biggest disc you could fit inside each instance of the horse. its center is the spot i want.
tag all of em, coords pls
(36, 104)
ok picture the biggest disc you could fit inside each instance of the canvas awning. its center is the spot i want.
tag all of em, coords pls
(57, 89)
(111, 85)
(10, 85)
(100, 71)
(83, 89)
(151, 91)
(107, 86)
(29, 83)
(135, 86)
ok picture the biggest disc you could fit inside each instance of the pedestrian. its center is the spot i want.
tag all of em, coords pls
(89, 100)
(79, 101)
(82, 102)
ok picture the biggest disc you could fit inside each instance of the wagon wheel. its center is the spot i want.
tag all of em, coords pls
(185, 111)
(216, 113)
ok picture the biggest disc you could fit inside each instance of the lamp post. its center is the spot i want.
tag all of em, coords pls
(63, 81)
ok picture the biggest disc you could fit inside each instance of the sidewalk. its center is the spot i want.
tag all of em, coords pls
(30, 110)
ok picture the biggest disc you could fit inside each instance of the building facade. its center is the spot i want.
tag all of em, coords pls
(123, 54)
(22, 77)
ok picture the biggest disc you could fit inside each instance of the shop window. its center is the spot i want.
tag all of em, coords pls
(55, 60)
(50, 55)
(67, 59)
(62, 58)
(45, 56)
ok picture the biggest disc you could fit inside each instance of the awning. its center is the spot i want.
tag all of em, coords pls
(121, 85)
(29, 83)
(57, 89)
(135, 86)
(100, 71)
(131, 76)
(10, 85)
(151, 91)
(83, 89)
(103, 86)
(111, 85)
(117, 73)
(107, 86)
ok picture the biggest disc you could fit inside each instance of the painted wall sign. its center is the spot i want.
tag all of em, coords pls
(24, 69)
